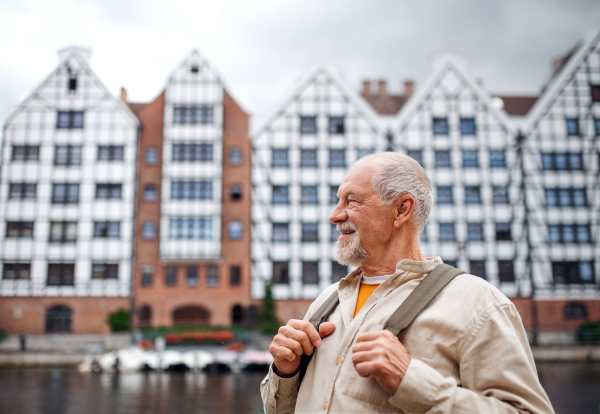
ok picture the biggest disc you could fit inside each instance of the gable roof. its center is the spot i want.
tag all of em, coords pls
(559, 81)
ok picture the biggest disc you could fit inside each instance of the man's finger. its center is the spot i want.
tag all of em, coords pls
(296, 338)
(326, 328)
(306, 327)
(373, 335)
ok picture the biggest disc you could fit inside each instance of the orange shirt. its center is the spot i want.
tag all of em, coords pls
(367, 289)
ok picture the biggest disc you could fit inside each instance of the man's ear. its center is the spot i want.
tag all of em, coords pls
(404, 207)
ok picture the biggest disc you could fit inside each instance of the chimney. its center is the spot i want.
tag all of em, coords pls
(409, 88)
(123, 95)
(366, 88)
(381, 89)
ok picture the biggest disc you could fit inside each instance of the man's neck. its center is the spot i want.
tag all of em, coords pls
(377, 266)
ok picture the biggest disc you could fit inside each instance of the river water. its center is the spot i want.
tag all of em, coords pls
(572, 387)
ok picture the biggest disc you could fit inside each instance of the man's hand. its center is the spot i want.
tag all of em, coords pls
(380, 355)
(297, 337)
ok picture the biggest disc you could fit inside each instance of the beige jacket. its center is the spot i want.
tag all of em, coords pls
(469, 354)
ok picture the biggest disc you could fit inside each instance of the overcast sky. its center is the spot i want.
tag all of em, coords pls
(260, 47)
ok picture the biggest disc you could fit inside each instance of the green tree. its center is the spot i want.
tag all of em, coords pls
(119, 320)
(268, 311)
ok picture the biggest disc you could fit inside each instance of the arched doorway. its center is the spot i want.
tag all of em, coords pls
(145, 317)
(191, 316)
(58, 319)
(237, 315)
(252, 316)
(575, 310)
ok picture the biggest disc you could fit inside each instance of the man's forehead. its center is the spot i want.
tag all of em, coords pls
(358, 179)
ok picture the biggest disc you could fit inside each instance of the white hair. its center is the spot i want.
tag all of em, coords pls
(397, 175)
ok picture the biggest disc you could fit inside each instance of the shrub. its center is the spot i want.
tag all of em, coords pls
(119, 320)
(588, 333)
(268, 312)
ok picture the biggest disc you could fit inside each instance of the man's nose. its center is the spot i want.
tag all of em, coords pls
(338, 214)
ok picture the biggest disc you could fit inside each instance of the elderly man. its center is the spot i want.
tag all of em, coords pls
(465, 352)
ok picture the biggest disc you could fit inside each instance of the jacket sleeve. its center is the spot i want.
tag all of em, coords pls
(279, 394)
(496, 369)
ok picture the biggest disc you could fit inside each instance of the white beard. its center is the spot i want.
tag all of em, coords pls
(351, 252)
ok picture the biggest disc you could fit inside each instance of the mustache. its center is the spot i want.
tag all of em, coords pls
(345, 226)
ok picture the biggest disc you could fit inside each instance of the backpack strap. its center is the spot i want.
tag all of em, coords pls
(419, 298)
(316, 320)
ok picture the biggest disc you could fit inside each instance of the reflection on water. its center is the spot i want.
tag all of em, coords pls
(65, 390)
(572, 387)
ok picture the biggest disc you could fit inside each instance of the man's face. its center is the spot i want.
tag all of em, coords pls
(364, 223)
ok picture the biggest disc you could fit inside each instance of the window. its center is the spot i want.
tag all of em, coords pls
(572, 126)
(19, 229)
(191, 190)
(440, 126)
(190, 228)
(363, 152)
(308, 158)
(472, 195)
(235, 192)
(442, 159)
(151, 156)
(107, 229)
(470, 159)
(452, 263)
(212, 275)
(22, 191)
(235, 156)
(499, 194)
(108, 191)
(110, 153)
(194, 69)
(61, 274)
(467, 126)
(424, 236)
(337, 158)
(597, 126)
(416, 155)
(65, 193)
(281, 233)
(150, 192)
(147, 275)
(569, 233)
(565, 197)
(333, 198)
(571, 272)
(562, 161)
(506, 271)
(72, 84)
(279, 157)
(193, 114)
(446, 232)
(69, 120)
(280, 194)
(235, 275)
(334, 232)
(309, 194)
(474, 231)
(336, 125)
(67, 155)
(478, 268)
(497, 159)
(310, 232)
(192, 152)
(236, 229)
(171, 275)
(310, 273)
(148, 230)
(308, 125)
(595, 93)
(444, 194)
(191, 275)
(575, 310)
(25, 153)
(503, 232)
(281, 273)
(58, 319)
(105, 271)
(16, 271)
(338, 271)
(63, 231)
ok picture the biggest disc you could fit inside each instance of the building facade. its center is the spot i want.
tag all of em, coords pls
(67, 194)
(192, 260)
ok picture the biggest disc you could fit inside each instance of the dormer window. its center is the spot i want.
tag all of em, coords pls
(195, 69)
